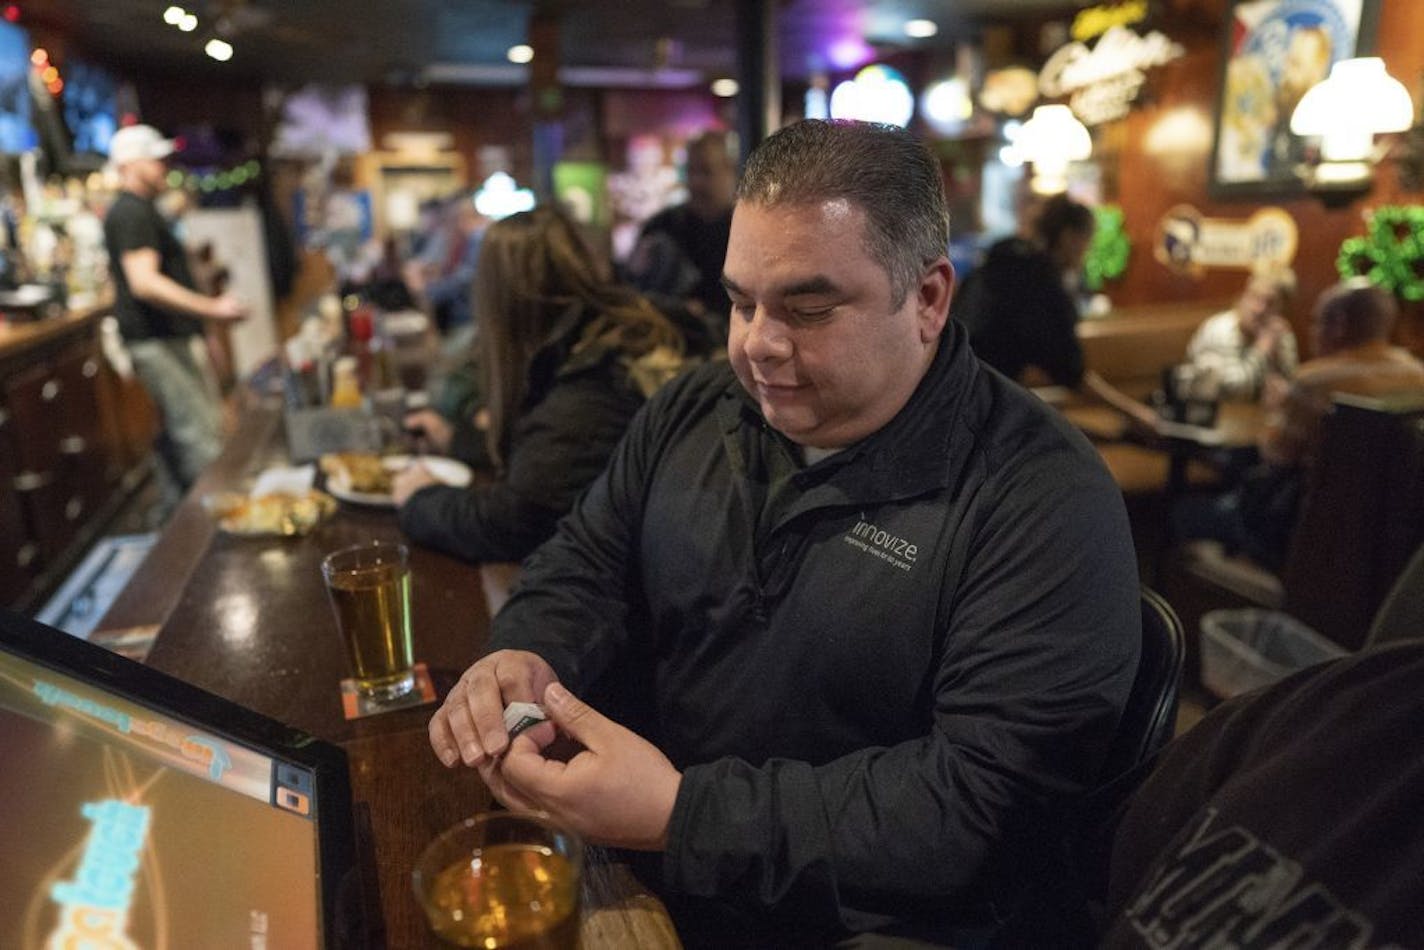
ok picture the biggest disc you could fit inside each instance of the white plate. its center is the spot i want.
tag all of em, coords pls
(446, 470)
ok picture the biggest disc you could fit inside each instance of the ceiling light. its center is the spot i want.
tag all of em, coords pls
(188, 23)
(1051, 139)
(877, 94)
(520, 54)
(173, 15)
(921, 29)
(726, 88)
(219, 50)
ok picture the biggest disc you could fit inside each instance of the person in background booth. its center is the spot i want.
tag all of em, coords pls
(1353, 321)
(1237, 353)
(445, 270)
(566, 358)
(678, 258)
(160, 314)
(1018, 304)
(844, 657)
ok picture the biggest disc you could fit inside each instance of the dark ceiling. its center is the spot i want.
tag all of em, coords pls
(405, 41)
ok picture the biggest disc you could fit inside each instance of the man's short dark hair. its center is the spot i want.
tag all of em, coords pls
(1061, 214)
(1356, 311)
(883, 170)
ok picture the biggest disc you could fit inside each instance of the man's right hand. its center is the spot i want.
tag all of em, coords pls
(1270, 335)
(228, 307)
(469, 726)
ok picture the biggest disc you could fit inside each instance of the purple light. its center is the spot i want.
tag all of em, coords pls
(850, 52)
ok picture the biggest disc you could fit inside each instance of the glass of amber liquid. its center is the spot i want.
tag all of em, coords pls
(503, 881)
(369, 587)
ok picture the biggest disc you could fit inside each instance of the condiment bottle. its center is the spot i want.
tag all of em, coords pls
(345, 388)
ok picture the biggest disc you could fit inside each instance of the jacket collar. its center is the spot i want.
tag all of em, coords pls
(922, 449)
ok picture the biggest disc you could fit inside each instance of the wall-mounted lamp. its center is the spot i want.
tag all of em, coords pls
(1051, 139)
(1357, 101)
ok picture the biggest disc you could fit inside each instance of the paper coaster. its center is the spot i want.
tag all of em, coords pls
(356, 706)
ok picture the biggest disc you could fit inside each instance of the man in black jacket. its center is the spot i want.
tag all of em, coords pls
(870, 612)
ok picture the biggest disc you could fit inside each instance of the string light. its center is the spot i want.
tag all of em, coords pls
(49, 74)
(223, 179)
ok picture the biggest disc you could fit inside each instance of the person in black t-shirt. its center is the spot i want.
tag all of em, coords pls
(1288, 817)
(677, 261)
(1016, 304)
(158, 311)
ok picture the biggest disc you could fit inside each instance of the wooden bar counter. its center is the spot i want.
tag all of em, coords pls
(248, 619)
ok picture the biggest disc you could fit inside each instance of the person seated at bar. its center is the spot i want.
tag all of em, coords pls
(1352, 325)
(567, 357)
(1235, 354)
(845, 650)
(1017, 305)
(1288, 817)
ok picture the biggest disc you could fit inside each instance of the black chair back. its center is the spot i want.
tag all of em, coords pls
(1151, 712)
(1062, 906)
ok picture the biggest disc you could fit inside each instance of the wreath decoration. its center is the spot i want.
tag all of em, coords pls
(1391, 252)
(1107, 255)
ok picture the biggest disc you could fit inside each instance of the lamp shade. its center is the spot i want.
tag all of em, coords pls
(1357, 100)
(1053, 136)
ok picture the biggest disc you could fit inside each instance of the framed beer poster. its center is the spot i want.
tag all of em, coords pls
(1274, 51)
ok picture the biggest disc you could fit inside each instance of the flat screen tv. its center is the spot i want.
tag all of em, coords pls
(17, 133)
(140, 811)
(90, 107)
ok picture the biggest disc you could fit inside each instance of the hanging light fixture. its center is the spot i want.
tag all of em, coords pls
(1357, 101)
(1051, 140)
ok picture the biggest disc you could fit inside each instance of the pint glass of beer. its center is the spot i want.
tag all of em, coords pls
(503, 881)
(369, 587)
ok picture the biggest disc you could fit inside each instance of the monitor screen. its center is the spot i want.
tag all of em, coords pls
(17, 133)
(141, 812)
(90, 107)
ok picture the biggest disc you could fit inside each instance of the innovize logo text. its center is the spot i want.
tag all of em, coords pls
(891, 548)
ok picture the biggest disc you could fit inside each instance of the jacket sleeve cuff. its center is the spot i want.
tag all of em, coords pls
(679, 857)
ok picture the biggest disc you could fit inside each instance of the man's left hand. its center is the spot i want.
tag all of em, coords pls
(617, 790)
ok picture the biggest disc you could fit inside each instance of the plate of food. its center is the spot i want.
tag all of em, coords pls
(366, 479)
(281, 514)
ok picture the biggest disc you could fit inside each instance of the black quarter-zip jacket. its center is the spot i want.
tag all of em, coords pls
(880, 697)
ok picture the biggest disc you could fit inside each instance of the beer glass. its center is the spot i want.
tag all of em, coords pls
(369, 587)
(503, 881)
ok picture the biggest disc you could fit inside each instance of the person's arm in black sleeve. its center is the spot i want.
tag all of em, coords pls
(558, 447)
(1041, 646)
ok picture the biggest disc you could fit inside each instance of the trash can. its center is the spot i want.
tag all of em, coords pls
(1245, 649)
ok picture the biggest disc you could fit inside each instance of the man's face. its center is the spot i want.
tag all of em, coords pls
(151, 174)
(711, 181)
(1258, 303)
(815, 336)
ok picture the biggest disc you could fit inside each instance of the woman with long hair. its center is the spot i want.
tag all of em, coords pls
(566, 357)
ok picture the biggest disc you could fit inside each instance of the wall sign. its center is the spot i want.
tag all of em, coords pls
(1102, 82)
(1095, 21)
(1188, 243)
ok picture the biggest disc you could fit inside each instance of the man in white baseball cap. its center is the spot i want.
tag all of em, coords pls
(134, 142)
(159, 312)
